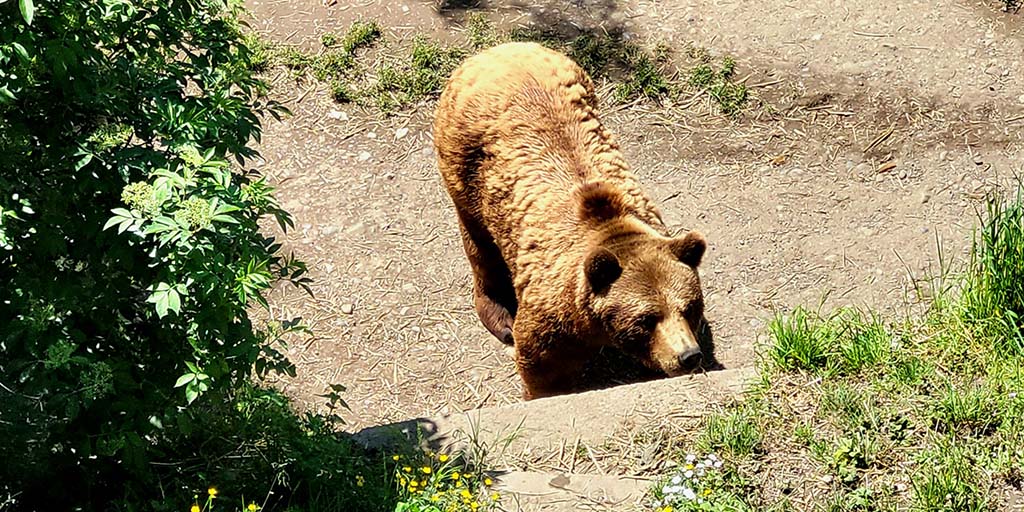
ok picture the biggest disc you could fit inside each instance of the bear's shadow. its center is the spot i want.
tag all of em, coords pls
(611, 367)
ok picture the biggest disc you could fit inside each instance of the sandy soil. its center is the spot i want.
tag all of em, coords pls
(874, 132)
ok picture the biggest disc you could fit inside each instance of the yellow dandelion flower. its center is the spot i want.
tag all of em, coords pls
(488, 482)
(252, 507)
(396, 457)
(435, 498)
(455, 475)
(707, 492)
(442, 458)
(402, 481)
(195, 508)
(407, 469)
(413, 483)
(474, 505)
(426, 470)
(212, 491)
(495, 496)
(465, 493)
(412, 488)
(690, 466)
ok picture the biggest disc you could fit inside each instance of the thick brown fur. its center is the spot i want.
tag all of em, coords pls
(568, 252)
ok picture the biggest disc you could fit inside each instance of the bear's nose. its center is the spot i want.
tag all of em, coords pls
(690, 360)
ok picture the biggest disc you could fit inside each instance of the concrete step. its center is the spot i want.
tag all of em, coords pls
(531, 491)
(587, 416)
(539, 434)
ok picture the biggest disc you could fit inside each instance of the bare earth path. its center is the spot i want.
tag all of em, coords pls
(882, 126)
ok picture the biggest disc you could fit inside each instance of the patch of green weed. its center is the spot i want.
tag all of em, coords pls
(735, 433)
(860, 499)
(800, 341)
(971, 410)
(851, 454)
(719, 84)
(423, 74)
(292, 58)
(948, 480)
(361, 34)
(645, 79)
(260, 51)
(480, 31)
(332, 64)
(993, 294)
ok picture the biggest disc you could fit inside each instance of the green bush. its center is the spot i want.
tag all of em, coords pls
(131, 247)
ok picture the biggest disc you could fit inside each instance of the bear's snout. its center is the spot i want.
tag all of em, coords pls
(675, 349)
(690, 360)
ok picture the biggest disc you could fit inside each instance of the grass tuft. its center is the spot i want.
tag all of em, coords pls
(735, 433)
(948, 481)
(480, 31)
(728, 94)
(968, 410)
(994, 295)
(361, 34)
(844, 343)
(801, 343)
(424, 74)
(645, 79)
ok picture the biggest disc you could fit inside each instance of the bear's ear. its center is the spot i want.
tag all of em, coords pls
(689, 248)
(599, 202)
(602, 269)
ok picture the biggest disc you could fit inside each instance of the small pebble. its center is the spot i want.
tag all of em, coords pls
(371, 135)
(364, 156)
(347, 309)
(401, 132)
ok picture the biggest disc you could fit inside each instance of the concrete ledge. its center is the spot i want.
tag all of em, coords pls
(547, 423)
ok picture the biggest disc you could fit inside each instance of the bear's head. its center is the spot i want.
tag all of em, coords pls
(642, 288)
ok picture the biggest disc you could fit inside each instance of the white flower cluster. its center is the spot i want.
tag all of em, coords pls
(685, 484)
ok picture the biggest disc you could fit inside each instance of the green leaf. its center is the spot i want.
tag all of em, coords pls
(161, 224)
(20, 50)
(113, 221)
(227, 219)
(191, 394)
(161, 305)
(184, 379)
(6, 95)
(27, 10)
(173, 301)
(84, 161)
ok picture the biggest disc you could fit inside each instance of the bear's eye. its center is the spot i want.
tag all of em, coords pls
(648, 321)
(692, 311)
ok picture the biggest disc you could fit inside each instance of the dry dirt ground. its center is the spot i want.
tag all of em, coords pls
(875, 129)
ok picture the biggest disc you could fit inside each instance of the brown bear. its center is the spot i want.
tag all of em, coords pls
(568, 252)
